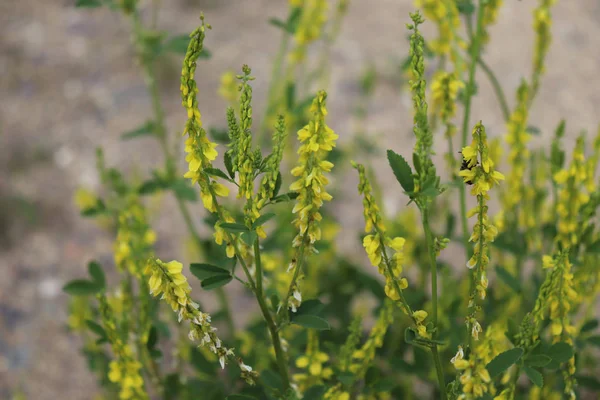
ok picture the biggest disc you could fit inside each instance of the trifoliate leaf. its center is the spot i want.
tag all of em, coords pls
(538, 360)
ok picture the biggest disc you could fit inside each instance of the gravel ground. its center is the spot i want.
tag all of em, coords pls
(68, 84)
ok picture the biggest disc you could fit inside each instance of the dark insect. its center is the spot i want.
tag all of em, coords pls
(465, 165)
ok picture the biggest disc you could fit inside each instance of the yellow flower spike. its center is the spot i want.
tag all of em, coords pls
(483, 176)
(167, 280)
(316, 141)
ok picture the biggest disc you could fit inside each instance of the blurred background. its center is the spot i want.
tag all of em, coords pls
(69, 83)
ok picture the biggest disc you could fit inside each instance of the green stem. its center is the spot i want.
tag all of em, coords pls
(299, 264)
(434, 300)
(440, 372)
(497, 88)
(257, 289)
(279, 354)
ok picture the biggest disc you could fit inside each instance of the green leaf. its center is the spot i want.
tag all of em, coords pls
(594, 340)
(347, 378)
(538, 360)
(508, 279)
(504, 361)
(179, 44)
(279, 24)
(81, 287)
(262, 220)
(152, 338)
(589, 325)
(184, 191)
(88, 3)
(594, 247)
(402, 171)
(409, 335)
(217, 172)
(315, 392)
(532, 130)
(234, 227)
(96, 328)
(151, 186)
(561, 352)
(240, 397)
(310, 307)
(534, 376)
(285, 197)
(200, 362)
(271, 379)
(97, 274)
(249, 237)
(228, 164)
(278, 183)
(204, 271)
(147, 129)
(590, 382)
(311, 322)
(216, 281)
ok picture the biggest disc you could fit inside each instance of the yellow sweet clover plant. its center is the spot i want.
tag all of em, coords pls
(318, 322)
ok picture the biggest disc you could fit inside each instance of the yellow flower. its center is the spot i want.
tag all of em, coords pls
(85, 199)
(316, 139)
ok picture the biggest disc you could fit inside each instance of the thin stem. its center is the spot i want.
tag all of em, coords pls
(279, 354)
(434, 300)
(299, 264)
(433, 266)
(440, 372)
(497, 88)
(257, 289)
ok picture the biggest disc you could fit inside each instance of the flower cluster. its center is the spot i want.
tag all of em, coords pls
(375, 243)
(228, 88)
(542, 22)
(363, 357)
(124, 370)
(135, 238)
(421, 129)
(199, 149)
(167, 279)
(269, 179)
(312, 361)
(310, 27)
(572, 195)
(481, 173)
(517, 139)
(491, 10)
(317, 140)
(559, 297)
(445, 15)
(444, 91)
(474, 377)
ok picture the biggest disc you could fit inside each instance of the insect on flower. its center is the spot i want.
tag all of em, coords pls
(465, 165)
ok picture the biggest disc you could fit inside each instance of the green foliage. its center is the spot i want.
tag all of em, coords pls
(296, 317)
